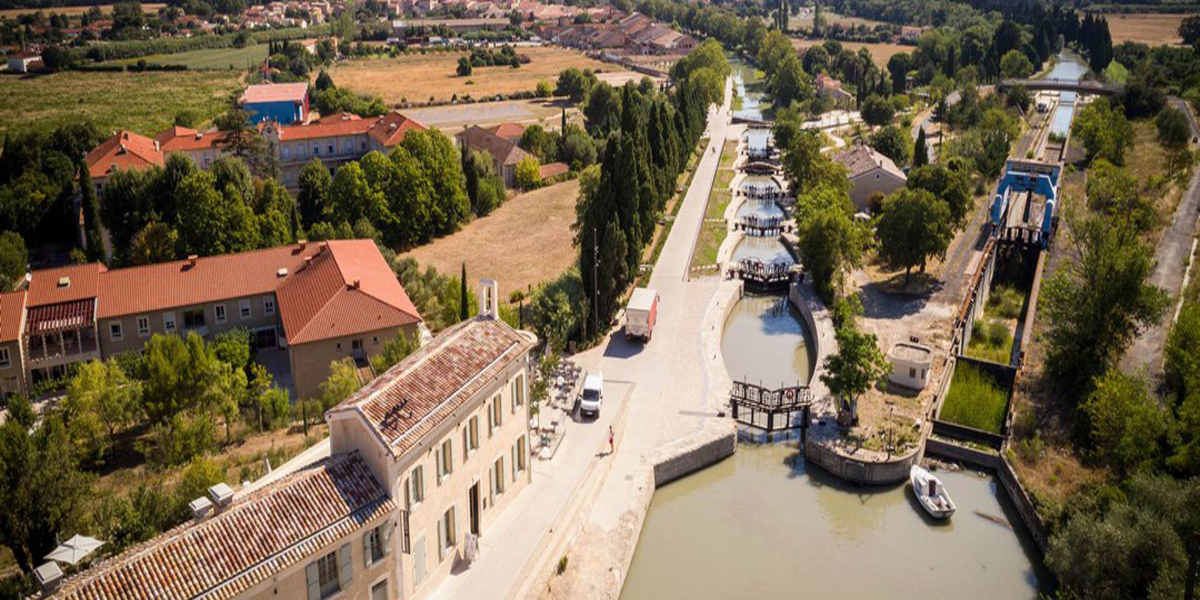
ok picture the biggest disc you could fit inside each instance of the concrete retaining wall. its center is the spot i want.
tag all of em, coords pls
(962, 454)
(854, 470)
(693, 452)
(1023, 504)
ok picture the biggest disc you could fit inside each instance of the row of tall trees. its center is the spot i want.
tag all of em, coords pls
(649, 137)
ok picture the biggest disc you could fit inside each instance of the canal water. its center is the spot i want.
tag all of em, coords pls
(765, 342)
(748, 87)
(1069, 67)
(761, 524)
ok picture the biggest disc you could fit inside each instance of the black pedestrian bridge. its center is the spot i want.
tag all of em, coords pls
(1064, 85)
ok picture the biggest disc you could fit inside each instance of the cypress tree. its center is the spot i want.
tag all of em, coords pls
(920, 152)
(464, 311)
(91, 214)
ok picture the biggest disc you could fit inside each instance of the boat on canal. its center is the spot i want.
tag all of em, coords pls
(931, 493)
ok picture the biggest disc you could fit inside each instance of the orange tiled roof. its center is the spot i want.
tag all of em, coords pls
(124, 150)
(81, 281)
(348, 290)
(509, 131)
(12, 313)
(275, 92)
(322, 129)
(180, 139)
(415, 396)
(391, 128)
(246, 543)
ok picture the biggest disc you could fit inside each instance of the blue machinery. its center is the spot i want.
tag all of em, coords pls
(1023, 176)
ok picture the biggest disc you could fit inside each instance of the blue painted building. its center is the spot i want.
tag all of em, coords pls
(284, 103)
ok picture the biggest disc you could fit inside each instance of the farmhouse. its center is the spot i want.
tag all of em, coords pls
(870, 172)
(24, 61)
(315, 302)
(505, 154)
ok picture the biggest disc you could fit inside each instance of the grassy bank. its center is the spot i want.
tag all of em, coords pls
(208, 59)
(975, 399)
(714, 229)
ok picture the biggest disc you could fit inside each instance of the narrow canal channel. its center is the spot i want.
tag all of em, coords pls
(764, 524)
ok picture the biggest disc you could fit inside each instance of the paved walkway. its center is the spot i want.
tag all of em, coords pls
(658, 390)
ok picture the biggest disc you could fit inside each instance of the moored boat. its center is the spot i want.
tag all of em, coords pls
(931, 493)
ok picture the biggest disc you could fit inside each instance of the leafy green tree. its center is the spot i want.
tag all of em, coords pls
(42, 489)
(1104, 131)
(1189, 30)
(831, 243)
(544, 89)
(914, 226)
(393, 351)
(1126, 424)
(242, 140)
(313, 197)
(1174, 132)
(1113, 191)
(351, 198)
(1015, 65)
(93, 238)
(100, 401)
(324, 81)
(155, 243)
(342, 382)
(856, 367)
(464, 67)
(578, 151)
(211, 222)
(602, 112)
(574, 84)
(951, 186)
(876, 110)
(807, 168)
(1097, 305)
(893, 142)
(528, 175)
(14, 259)
(790, 82)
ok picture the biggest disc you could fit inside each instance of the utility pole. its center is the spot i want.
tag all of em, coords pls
(595, 283)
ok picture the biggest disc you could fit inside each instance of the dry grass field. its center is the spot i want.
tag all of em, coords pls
(523, 243)
(1152, 29)
(880, 52)
(12, 13)
(419, 77)
(804, 23)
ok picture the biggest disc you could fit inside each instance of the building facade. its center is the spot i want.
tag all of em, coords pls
(319, 302)
(424, 460)
(284, 103)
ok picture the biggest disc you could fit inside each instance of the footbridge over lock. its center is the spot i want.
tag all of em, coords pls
(1016, 210)
(1055, 84)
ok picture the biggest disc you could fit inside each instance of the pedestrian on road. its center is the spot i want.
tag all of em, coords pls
(610, 439)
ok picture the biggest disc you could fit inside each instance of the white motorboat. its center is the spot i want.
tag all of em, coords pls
(931, 493)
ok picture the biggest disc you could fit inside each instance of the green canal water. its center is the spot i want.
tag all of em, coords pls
(763, 525)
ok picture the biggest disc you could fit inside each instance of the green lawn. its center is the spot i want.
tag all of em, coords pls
(713, 234)
(207, 59)
(975, 399)
(143, 102)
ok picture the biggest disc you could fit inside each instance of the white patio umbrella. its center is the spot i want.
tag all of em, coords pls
(75, 549)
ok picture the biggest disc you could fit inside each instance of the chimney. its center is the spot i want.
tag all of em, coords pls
(221, 495)
(302, 243)
(49, 577)
(489, 295)
(356, 284)
(200, 508)
(192, 259)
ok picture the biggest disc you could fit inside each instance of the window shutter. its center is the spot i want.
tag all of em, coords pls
(366, 549)
(439, 465)
(314, 581)
(386, 531)
(514, 462)
(347, 570)
(441, 538)
(408, 494)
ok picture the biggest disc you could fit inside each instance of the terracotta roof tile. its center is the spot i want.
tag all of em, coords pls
(180, 139)
(275, 92)
(502, 150)
(124, 150)
(322, 129)
(12, 315)
(862, 159)
(415, 396)
(245, 544)
(509, 131)
(81, 282)
(391, 128)
(348, 290)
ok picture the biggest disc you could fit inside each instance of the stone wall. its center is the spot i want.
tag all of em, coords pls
(846, 466)
(1023, 503)
(693, 452)
(961, 454)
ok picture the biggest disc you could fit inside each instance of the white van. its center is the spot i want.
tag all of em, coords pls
(593, 395)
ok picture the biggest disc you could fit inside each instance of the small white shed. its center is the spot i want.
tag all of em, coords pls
(910, 365)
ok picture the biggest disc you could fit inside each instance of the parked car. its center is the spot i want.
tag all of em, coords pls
(641, 313)
(593, 395)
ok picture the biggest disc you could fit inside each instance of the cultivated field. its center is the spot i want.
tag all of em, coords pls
(804, 23)
(880, 52)
(523, 243)
(143, 102)
(207, 59)
(12, 13)
(1152, 29)
(418, 78)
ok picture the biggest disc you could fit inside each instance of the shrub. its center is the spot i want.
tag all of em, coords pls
(975, 399)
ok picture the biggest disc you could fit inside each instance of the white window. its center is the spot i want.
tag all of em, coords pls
(419, 561)
(268, 306)
(143, 324)
(445, 460)
(330, 574)
(219, 313)
(519, 453)
(379, 591)
(414, 489)
(244, 309)
(518, 392)
(5, 361)
(114, 332)
(470, 437)
(169, 321)
(447, 536)
(375, 543)
(498, 476)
